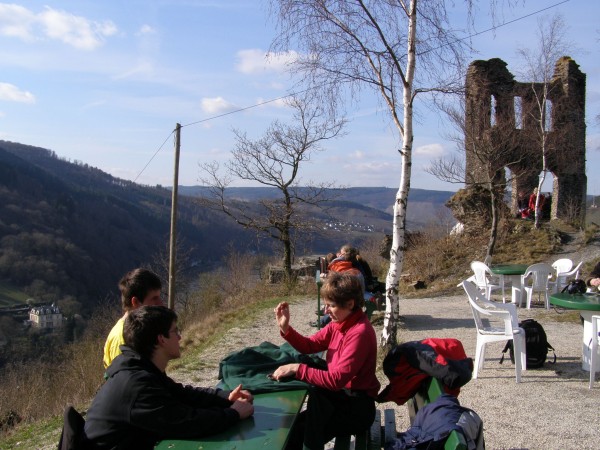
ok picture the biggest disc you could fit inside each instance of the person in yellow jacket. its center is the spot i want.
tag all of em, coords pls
(139, 287)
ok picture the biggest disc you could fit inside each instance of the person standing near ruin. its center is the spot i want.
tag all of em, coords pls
(532, 209)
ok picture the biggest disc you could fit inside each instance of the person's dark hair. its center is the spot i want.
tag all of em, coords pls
(143, 326)
(330, 257)
(341, 287)
(137, 283)
(348, 252)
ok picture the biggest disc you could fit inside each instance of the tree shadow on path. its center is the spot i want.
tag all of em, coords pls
(428, 322)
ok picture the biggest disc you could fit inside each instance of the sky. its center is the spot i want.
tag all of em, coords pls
(105, 82)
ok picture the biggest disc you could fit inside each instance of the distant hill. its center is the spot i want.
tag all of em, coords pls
(424, 204)
(69, 230)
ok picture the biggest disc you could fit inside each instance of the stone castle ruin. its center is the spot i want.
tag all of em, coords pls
(501, 113)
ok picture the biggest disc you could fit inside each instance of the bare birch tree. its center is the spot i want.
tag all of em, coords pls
(348, 45)
(275, 161)
(539, 69)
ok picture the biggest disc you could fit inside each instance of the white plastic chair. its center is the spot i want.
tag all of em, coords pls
(594, 348)
(562, 265)
(562, 276)
(540, 275)
(484, 278)
(503, 325)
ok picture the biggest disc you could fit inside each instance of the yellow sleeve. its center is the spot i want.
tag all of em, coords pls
(113, 341)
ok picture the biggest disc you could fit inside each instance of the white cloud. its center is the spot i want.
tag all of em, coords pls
(254, 61)
(11, 93)
(277, 103)
(430, 150)
(76, 31)
(16, 21)
(216, 105)
(145, 29)
(280, 62)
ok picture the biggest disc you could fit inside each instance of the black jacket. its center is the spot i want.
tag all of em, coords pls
(139, 405)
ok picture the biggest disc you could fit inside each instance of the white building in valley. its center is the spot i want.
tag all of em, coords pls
(46, 317)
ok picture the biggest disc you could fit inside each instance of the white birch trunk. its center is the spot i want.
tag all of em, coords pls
(392, 309)
(542, 124)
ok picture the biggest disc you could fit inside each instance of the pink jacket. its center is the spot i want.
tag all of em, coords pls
(351, 355)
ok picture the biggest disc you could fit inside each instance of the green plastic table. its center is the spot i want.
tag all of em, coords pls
(513, 272)
(588, 305)
(268, 428)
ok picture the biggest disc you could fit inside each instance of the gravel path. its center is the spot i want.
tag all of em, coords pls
(551, 408)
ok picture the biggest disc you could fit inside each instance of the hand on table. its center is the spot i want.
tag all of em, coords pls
(240, 394)
(244, 409)
(595, 282)
(287, 371)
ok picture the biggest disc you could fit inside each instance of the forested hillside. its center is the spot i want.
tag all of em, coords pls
(71, 230)
(68, 231)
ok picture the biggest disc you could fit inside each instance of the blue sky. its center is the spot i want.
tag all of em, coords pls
(105, 82)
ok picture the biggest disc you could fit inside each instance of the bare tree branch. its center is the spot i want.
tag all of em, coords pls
(275, 160)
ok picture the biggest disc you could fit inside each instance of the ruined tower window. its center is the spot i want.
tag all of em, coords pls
(493, 110)
(548, 115)
(518, 105)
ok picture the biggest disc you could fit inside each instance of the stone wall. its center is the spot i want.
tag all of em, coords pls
(500, 113)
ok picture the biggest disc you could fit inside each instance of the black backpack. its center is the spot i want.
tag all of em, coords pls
(536, 345)
(575, 287)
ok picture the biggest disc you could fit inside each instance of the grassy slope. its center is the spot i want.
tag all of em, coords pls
(11, 296)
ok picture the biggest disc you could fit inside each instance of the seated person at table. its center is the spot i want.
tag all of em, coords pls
(372, 285)
(346, 262)
(341, 398)
(138, 287)
(594, 279)
(140, 405)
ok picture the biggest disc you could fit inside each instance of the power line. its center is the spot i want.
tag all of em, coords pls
(305, 90)
(495, 27)
(155, 153)
(216, 117)
(245, 108)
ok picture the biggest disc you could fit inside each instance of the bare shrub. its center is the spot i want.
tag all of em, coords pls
(435, 255)
(572, 212)
(591, 232)
(370, 250)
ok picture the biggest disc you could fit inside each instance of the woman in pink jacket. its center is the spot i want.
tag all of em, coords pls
(341, 399)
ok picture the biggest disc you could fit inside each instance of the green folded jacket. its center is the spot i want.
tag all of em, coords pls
(251, 366)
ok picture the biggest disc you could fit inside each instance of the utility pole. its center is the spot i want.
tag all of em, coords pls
(173, 241)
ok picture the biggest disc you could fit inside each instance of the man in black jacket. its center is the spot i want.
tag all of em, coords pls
(139, 404)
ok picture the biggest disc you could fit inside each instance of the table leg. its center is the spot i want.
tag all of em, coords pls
(502, 287)
(587, 341)
(517, 289)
